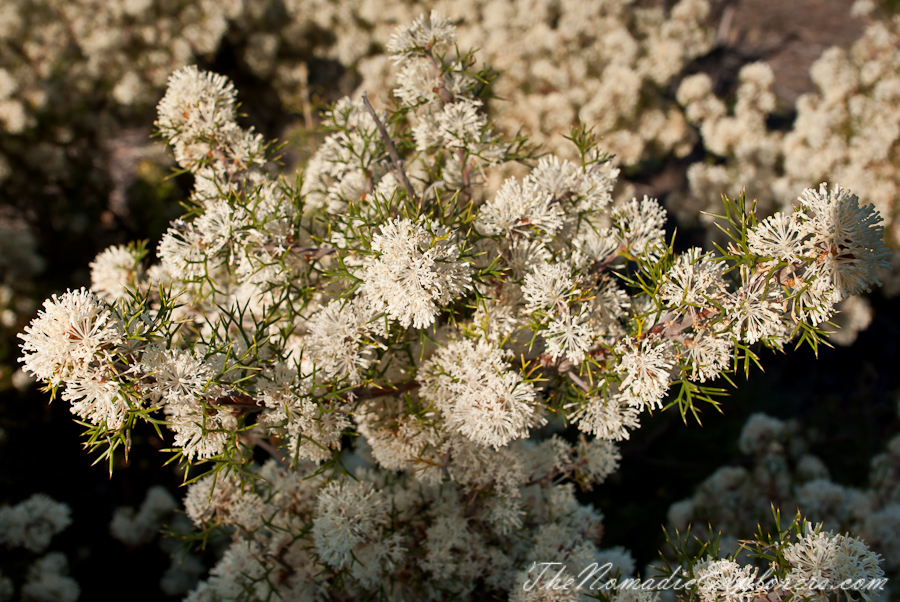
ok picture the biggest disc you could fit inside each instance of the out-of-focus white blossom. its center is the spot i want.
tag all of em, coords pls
(33, 523)
(113, 273)
(138, 528)
(427, 34)
(47, 581)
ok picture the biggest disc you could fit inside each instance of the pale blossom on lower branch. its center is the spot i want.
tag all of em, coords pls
(372, 530)
(727, 581)
(313, 429)
(645, 366)
(832, 558)
(397, 442)
(611, 417)
(479, 394)
(350, 516)
(340, 335)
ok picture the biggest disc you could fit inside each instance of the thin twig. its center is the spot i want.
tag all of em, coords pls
(599, 266)
(577, 380)
(430, 192)
(310, 253)
(392, 150)
(253, 439)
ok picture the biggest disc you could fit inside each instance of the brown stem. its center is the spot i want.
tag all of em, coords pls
(442, 89)
(310, 253)
(391, 149)
(602, 265)
(238, 402)
(373, 392)
(460, 154)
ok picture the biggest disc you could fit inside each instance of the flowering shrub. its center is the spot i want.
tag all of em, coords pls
(382, 299)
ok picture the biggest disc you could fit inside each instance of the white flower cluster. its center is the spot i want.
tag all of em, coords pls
(478, 394)
(416, 272)
(821, 563)
(47, 580)
(830, 559)
(197, 116)
(115, 271)
(727, 581)
(844, 239)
